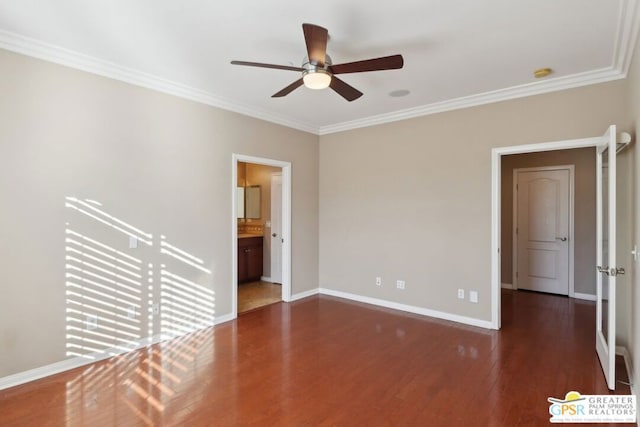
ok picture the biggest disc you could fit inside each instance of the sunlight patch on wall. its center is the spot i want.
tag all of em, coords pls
(112, 299)
(186, 305)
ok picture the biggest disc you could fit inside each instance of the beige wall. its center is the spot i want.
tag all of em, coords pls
(160, 163)
(411, 200)
(584, 160)
(633, 273)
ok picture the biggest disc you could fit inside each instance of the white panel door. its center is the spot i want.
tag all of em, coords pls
(542, 230)
(276, 228)
(606, 255)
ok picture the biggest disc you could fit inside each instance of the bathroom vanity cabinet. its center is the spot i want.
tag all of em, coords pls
(249, 258)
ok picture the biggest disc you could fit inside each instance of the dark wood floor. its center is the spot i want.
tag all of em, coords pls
(257, 294)
(324, 361)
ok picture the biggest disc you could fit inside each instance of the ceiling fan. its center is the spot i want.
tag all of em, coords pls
(317, 70)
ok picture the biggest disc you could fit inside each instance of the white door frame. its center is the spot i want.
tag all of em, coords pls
(571, 169)
(286, 224)
(496, 188)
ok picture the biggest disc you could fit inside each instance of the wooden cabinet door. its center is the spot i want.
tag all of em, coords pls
(242, 264)
(249, 259)
(254, 261)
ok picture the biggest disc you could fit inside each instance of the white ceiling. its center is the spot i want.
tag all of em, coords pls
(457, 52)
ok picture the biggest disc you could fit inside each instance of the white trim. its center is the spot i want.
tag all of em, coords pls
(625, 39)
(571, 244)
(587, 297)
(624, 352)
(626, 35)
(76, 362)
(48, 52)
(286, 224)
(496, 186)
(496, 155)
(305, 294)
(514, 92)
(224, 318)
(266, 279)
(409, 308)
(506, 285)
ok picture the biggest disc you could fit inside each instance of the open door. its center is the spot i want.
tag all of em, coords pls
(276, 228)
(606, 255)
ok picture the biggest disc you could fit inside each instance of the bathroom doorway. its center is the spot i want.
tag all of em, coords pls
(262, 249)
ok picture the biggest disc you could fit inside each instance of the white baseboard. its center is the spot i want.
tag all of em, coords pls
(224, 318)
(266, 279)
(622, 351)
(506, 286)
(409, 308)
(76, 362)
(304, 294)
(588, 297)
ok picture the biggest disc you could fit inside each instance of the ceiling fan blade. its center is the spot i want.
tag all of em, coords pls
(261, 65)
(392, 62)
(345, 90)
(316, 38)
(287, 90)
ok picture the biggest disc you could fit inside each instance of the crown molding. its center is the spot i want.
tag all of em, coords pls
(628, 27)
(514, 92)
(37, 49)
(626, 36)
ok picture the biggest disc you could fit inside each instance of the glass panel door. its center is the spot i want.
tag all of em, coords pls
(606, 255)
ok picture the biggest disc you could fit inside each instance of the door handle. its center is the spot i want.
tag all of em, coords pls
(563, 239)
(611, 271)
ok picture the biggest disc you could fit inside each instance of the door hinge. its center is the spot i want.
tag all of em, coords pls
(516, 274)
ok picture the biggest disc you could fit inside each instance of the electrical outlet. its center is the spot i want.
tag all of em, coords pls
(473, 296)
(378, 281)
(400, 284)
(91, 322)
(156, 309)
(460, 293)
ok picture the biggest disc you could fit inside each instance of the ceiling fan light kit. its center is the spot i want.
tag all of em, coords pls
(318, 71)
(316, 79)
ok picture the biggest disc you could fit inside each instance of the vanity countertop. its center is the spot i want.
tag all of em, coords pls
(247, 235)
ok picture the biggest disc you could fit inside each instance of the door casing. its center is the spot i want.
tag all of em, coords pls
(286, 225)
(496, 188)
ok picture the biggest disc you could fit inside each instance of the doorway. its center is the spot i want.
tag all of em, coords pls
(504, 159)
(253, 259)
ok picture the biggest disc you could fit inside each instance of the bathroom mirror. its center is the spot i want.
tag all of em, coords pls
(252, 202)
